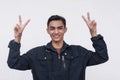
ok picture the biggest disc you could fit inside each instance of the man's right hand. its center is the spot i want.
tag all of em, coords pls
(19, 29)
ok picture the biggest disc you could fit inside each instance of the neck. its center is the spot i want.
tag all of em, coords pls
(57, 46)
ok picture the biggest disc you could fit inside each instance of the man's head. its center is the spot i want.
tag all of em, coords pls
(56, 27)
(56, 18)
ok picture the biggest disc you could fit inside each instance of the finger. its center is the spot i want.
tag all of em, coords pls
(19, 28)
(26, 23)
(88, 16)
(16, 28)
(93, 23)
(20, 20)
(84, 19)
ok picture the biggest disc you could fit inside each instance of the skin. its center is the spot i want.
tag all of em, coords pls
(56, 30)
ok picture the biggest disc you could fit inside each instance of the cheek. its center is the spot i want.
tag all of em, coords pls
(63, 32)
(50, 32)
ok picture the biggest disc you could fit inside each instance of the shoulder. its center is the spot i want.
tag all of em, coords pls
(78, 49)
(36, 50)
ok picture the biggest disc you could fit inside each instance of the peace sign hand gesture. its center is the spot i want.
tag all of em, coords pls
(91, 25)
(19, 29)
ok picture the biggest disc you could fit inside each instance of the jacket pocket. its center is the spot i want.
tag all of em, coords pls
(44, 62)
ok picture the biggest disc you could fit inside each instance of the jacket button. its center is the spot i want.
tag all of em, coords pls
(65, 54)
(45, 58)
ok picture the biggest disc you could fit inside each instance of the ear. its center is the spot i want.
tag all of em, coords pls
(65, 29)
(47, 30)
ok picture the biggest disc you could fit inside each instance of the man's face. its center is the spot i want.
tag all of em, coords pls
(56, 30)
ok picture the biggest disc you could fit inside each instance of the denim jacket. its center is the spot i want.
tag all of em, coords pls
(46, 64)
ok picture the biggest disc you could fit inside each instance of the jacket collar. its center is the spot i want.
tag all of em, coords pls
(50, 47)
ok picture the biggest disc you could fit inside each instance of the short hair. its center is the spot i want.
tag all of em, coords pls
(55, 18)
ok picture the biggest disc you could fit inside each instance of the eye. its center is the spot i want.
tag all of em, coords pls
(52, 28)
(61, 27)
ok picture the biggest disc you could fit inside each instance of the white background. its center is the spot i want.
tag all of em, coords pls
(105, 12)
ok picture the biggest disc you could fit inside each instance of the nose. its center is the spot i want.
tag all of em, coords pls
(56, 31)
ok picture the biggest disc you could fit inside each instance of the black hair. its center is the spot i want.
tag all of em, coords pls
(56, 17)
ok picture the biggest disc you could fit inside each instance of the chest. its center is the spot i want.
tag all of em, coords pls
(51, 61)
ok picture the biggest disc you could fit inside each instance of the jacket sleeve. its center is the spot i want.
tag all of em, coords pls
(100, 55)
(15, 60)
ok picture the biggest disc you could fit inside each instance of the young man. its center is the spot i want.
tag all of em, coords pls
(57, 60)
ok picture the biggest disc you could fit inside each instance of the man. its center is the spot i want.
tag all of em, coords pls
(57, 60)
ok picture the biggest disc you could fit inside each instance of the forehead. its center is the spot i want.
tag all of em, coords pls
(56, 23)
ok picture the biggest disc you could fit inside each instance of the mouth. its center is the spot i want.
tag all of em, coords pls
(56, 36)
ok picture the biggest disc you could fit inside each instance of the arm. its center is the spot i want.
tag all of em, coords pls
(100, 55)
(14, 59)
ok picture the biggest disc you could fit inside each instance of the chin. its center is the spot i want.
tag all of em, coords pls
(57, 40)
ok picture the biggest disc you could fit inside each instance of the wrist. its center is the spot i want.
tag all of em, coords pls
(17, 39)
(93, 34)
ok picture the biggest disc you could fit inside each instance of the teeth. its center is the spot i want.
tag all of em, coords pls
(56, 36)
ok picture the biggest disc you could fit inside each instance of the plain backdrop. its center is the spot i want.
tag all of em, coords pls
(105, 12)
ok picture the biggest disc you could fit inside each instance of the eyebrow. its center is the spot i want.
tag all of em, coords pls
(57, 26)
